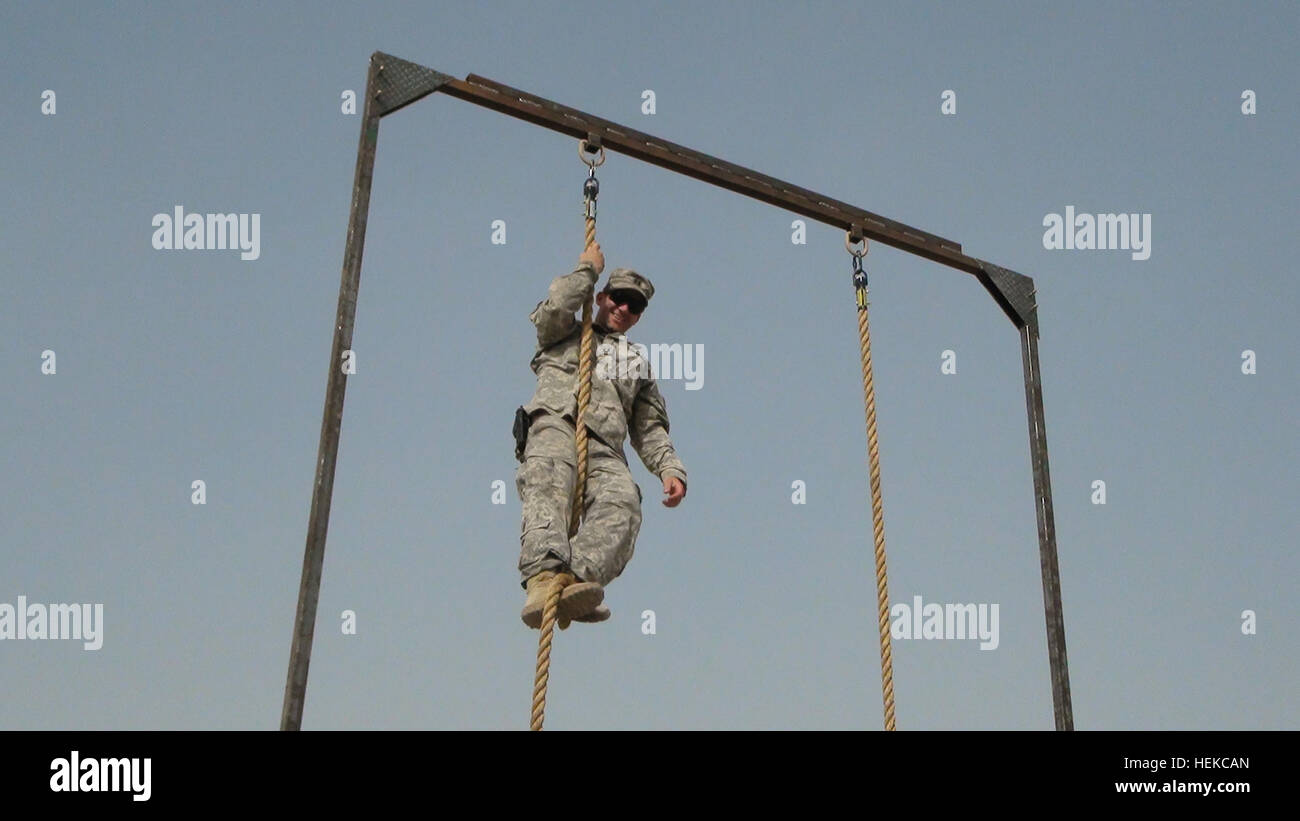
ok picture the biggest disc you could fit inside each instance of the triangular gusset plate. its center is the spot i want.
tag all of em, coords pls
(400, 82)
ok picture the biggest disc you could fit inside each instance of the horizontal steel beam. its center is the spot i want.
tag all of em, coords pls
(407, 82)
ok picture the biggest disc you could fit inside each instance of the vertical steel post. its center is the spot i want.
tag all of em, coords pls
(295, 688)
(1060, 674)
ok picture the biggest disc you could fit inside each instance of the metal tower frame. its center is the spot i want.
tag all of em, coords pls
(393, 83)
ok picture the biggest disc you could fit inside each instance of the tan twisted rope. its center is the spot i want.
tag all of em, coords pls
(877, 515)
(584, 399)
(562, 580)
(558, 583)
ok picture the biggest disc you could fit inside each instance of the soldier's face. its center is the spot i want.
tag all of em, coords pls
(614, 316)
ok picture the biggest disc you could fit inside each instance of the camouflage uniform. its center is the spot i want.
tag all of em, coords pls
(622, 405)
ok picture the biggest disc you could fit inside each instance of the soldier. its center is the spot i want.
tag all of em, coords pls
(625, 402)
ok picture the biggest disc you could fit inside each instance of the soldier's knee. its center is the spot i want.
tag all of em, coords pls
(628, 510)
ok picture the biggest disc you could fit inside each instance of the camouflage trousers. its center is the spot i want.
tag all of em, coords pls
(603, 545)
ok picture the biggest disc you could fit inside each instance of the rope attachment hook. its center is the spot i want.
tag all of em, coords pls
(851, 238)
(591, 186)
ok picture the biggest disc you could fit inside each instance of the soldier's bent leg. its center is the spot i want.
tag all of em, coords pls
(545, 481)
(604, 543)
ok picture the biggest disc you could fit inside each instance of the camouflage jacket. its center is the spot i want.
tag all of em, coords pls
(622, 404)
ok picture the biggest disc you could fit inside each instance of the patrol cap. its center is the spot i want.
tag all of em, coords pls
(626, 278)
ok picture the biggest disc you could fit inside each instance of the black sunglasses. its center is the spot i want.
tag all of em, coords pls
(634, 301)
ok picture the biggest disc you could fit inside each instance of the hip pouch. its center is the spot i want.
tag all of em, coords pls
(522, 423)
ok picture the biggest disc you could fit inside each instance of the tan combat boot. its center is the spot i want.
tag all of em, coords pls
(577, 600)
(536, 600)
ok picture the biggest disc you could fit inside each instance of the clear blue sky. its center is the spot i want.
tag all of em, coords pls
(174, 366)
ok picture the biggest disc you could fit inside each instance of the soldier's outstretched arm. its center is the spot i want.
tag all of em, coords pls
(648, 431)
(553, 316)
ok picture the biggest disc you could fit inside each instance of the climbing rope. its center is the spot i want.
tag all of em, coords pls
(544, 648)
(873, 457)
(590, 189)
